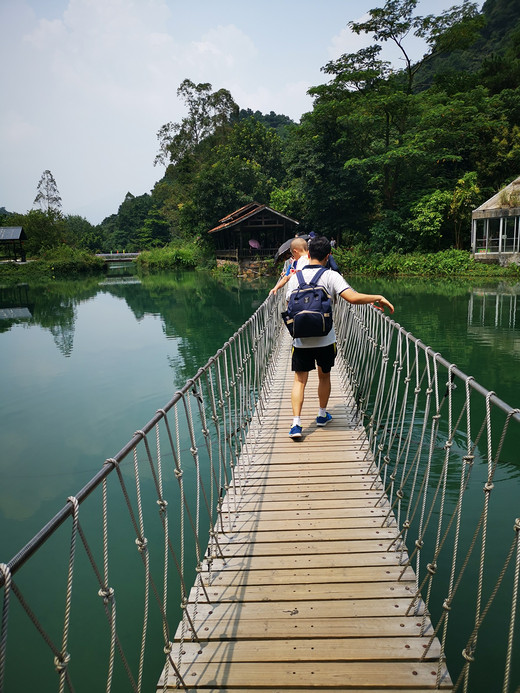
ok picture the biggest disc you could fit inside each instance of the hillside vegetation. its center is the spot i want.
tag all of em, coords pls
(391, 159)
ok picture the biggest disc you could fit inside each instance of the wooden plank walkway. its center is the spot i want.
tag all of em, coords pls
(308, 596)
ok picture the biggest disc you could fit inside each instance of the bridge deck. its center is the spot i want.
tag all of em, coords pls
(308, 596)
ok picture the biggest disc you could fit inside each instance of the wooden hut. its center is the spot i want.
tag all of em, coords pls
(252, 232)
(495, 226)
(11, 242)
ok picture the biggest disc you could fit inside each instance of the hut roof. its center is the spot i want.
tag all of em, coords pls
(246, 212)
(12, 233)
(506, 198)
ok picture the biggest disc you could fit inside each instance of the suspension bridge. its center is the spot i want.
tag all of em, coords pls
(352, 560)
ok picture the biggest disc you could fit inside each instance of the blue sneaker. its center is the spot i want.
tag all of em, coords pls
(295, 432)
(323, 420)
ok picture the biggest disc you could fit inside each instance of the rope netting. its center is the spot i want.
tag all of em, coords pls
(441, 444)
(437, 439)
(165, 501)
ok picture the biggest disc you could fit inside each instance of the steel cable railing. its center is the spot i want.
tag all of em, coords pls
(201, 445)
(437, 439)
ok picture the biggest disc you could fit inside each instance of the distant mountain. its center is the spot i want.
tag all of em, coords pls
(499, 36)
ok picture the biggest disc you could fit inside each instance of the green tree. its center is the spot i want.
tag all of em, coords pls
(455, 28)
(429, 219)
(155, 232)
(47, 197)
(465, 199)
(76, 227)
(45, 230)
(289, 200)
(120, 229)
(207, 112)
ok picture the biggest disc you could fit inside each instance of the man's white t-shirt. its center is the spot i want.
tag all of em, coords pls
(335, 284)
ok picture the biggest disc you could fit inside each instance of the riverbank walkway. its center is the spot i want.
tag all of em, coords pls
(308, 595)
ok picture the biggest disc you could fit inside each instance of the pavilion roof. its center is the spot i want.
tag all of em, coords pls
(246, 212)
(506, 198)
(12, 233)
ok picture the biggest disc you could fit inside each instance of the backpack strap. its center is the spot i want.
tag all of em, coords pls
(314, 280)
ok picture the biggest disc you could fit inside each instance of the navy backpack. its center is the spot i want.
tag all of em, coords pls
(309, 310)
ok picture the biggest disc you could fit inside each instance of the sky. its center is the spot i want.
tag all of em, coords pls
(86, 84)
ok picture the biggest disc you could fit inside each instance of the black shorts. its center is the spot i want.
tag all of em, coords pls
(306, 359)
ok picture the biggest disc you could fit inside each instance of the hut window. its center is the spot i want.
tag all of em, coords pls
(493, 235)
(510, 234)
(481, 235)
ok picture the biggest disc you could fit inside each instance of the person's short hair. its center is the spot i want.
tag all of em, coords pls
(319, 248)
(299, 243)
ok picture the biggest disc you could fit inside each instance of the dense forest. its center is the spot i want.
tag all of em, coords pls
(394, 159)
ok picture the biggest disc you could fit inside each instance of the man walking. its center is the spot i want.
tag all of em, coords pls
(321, 351)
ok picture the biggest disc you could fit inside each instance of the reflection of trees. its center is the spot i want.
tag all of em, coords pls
(196, 308)
(51, 306)
(15, 306)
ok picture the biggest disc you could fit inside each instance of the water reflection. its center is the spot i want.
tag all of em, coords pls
(494, 318)
(499, 307)
(188, 303)
(15, 306)
(128, 344)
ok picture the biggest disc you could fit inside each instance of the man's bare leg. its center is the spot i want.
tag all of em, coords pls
(298, 391)
(323, 417)
(323, 388)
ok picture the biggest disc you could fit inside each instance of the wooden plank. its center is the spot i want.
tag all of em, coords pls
(303, 548)
(310, 591)
(308, 576)
(306, 611)
(248, 522)
(304, 592)
(343, 675)
(279, 628)
(351, 512)
(321, 536)
(314, 650)
(306, 561)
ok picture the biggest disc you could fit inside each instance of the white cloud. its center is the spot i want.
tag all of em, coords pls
(347, 41)
(90, 82)
(230, 48)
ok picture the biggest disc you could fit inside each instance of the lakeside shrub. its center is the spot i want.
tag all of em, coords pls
(65, 261)
(188, 255)
(60, 262)
(361, 259)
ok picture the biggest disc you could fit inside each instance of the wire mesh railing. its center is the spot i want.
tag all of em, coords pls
(84, 609)
(439, 441)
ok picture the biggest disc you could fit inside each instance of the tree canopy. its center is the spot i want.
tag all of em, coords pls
(392, 158)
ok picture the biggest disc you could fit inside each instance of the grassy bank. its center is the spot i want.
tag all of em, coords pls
(191, 254)
(447, 263)
(60, 263)
(66, 262)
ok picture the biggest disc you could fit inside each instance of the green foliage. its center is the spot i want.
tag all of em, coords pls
(188, 254)
(388, 159)
(59, 262)
(363, 260)
(64, 261)
(429, 216)
(207, 112)
(44, 230)
(154, 233)
(282, 124)
(289, 200)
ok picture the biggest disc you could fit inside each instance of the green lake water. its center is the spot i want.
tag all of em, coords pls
(85, 364)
